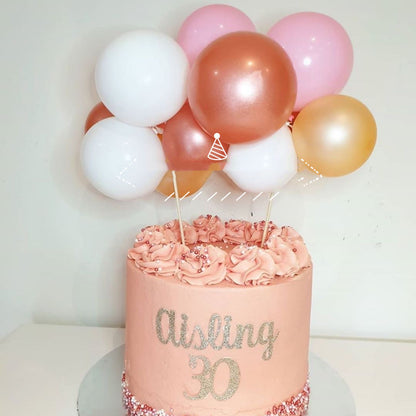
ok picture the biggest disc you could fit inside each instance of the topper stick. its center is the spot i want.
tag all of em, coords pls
(178, 207)
(266, 226)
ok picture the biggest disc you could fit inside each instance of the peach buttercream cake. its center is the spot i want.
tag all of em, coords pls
(218, 326)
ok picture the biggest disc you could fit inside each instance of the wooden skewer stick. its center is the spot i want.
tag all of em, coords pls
(178, 207)
(266, 226)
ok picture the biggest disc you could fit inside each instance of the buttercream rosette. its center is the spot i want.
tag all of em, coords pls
(210, 229)
(217, 252)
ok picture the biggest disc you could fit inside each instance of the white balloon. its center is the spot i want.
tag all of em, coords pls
(141, 77)
(122, 161)
(264, 165)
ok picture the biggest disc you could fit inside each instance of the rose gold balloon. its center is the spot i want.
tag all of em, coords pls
(334, 135)
(188, 181)
(98, 113)
(187, 146)
(242, 86)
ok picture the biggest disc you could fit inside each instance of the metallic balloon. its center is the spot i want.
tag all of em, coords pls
(334, 135)
(242, 86)
(98, 113)
(189, 181)
(187, 146)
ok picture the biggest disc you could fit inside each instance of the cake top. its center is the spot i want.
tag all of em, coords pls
(217, 251)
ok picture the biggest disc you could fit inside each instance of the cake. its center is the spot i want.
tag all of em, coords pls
(218, 326)
(218, 314)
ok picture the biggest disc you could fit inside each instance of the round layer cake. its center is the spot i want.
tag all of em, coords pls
(219, 326)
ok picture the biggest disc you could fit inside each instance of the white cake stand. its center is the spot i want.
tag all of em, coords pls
(100, 391)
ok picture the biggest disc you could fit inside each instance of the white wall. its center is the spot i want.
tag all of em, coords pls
(63, 245)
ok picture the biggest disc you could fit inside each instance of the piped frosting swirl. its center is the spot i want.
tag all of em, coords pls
(216, 252)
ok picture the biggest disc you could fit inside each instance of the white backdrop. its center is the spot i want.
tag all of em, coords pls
(63, 245)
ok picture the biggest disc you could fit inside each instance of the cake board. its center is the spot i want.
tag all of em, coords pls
(100, 391)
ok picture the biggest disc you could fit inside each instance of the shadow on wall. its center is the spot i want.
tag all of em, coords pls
(99, 297)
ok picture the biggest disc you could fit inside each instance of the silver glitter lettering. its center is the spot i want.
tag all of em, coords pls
(214, 328)
(204, 342)
(217, 335)
(233, 382)
(206, 378)
(269, 339)
(240, 336)
(184, 331)
(227, 328)
(171, 333)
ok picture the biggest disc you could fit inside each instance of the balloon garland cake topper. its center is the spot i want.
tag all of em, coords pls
(220, 97)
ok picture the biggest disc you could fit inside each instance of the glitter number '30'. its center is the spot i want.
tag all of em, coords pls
(206, 378)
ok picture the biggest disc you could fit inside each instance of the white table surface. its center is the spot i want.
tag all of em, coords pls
(42, 366)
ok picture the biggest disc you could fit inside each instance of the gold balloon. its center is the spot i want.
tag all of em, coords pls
(334, 135)
(188, 181)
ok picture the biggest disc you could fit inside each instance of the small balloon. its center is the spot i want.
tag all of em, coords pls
(122, 161)
(334, 135)
(188, 181)
(141, 77)
(208, 23)
(320, 51)
(187, 146)
(292, 119)
(98, 113)
(264, 165)
(242, 86)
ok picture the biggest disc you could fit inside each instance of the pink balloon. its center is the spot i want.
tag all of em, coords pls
(209, 23)
(321, 53)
